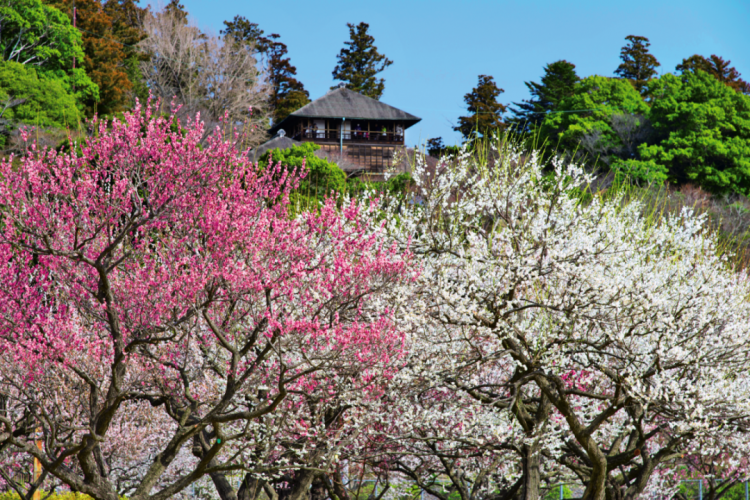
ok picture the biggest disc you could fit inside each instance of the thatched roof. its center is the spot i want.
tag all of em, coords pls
(344, 103)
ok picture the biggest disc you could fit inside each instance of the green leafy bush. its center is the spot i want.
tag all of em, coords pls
(705, 132)
(68, 495)
(590, 111)
(47, 103)
(639, 171)
(322, 177)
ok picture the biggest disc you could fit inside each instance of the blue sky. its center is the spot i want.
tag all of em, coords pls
(440, 47)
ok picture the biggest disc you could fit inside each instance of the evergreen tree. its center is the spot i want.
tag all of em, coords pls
(486, 112)
(244, 31)
(637, 63)
(107, 47)
(287, 93)
(706, 140)
(360, 61)
(435, 147)
(39, 35)
(602, 108)
(127, 18)
(558, 83)
(33, 99)
(175, 8)
(718, 68)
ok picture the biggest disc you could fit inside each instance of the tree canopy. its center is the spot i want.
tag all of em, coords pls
(46, 102)
(638, 64)
(717, 67)
(32, 33)
(359, 63)
(321, 177)
(558, 82)
(590, 111)
(704, 128)
(105, 43)
(243, 31)
(486, 112)
(287, 93)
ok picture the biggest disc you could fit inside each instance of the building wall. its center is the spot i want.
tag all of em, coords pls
(369, 157)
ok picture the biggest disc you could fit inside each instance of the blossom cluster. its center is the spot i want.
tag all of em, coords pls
(167, 321)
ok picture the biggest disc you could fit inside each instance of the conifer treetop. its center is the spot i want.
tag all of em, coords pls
(360, 62)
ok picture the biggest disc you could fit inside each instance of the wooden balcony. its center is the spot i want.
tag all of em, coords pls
(350, 137)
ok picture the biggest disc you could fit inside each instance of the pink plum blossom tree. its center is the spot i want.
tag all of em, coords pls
(163, 318)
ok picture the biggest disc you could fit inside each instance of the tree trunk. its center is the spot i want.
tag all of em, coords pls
(250, 488)
(223, 486)
(298, 485)
(530, 468)
(318, 490)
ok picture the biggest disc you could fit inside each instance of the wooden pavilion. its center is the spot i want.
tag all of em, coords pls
(361, 131)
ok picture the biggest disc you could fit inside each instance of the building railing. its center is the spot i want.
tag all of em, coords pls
(352, 135)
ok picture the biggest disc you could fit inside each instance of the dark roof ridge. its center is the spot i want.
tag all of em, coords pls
(345, 103)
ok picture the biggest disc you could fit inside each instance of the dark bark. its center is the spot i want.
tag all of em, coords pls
(318, 489)
(530, 462)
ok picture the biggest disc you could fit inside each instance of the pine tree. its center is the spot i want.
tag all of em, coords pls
(558, 82)
(287, 93)
(360, 61)
(435, 147)
(718, 68)
(127, 18)
(486, 117)
(175, 8)
(637, 63)
(244, 31)
(106, 44)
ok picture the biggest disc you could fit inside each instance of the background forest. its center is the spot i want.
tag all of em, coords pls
(64, 61)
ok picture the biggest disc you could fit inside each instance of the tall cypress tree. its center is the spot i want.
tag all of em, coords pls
(558, 82)
(638, 65)
(360, 61)
(287, 93)
(486, 117)
(244, 31)
(127, 18)
(107, 43)
(718, 68)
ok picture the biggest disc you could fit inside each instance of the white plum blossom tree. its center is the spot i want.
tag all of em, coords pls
(618, 342)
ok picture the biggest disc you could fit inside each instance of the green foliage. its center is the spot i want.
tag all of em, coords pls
(718, 68)
(38, 35)
(486, 113)
(360, 61)
(321, 177)
(558, 83)
(736, 492)
(437, 149)
(554, 493)
(243, 31)
(639, 171)
(68, 495)
(399, 184)
(589, 112)
(45, 101)
(638, 65)
(287, 93)
(705, 127)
